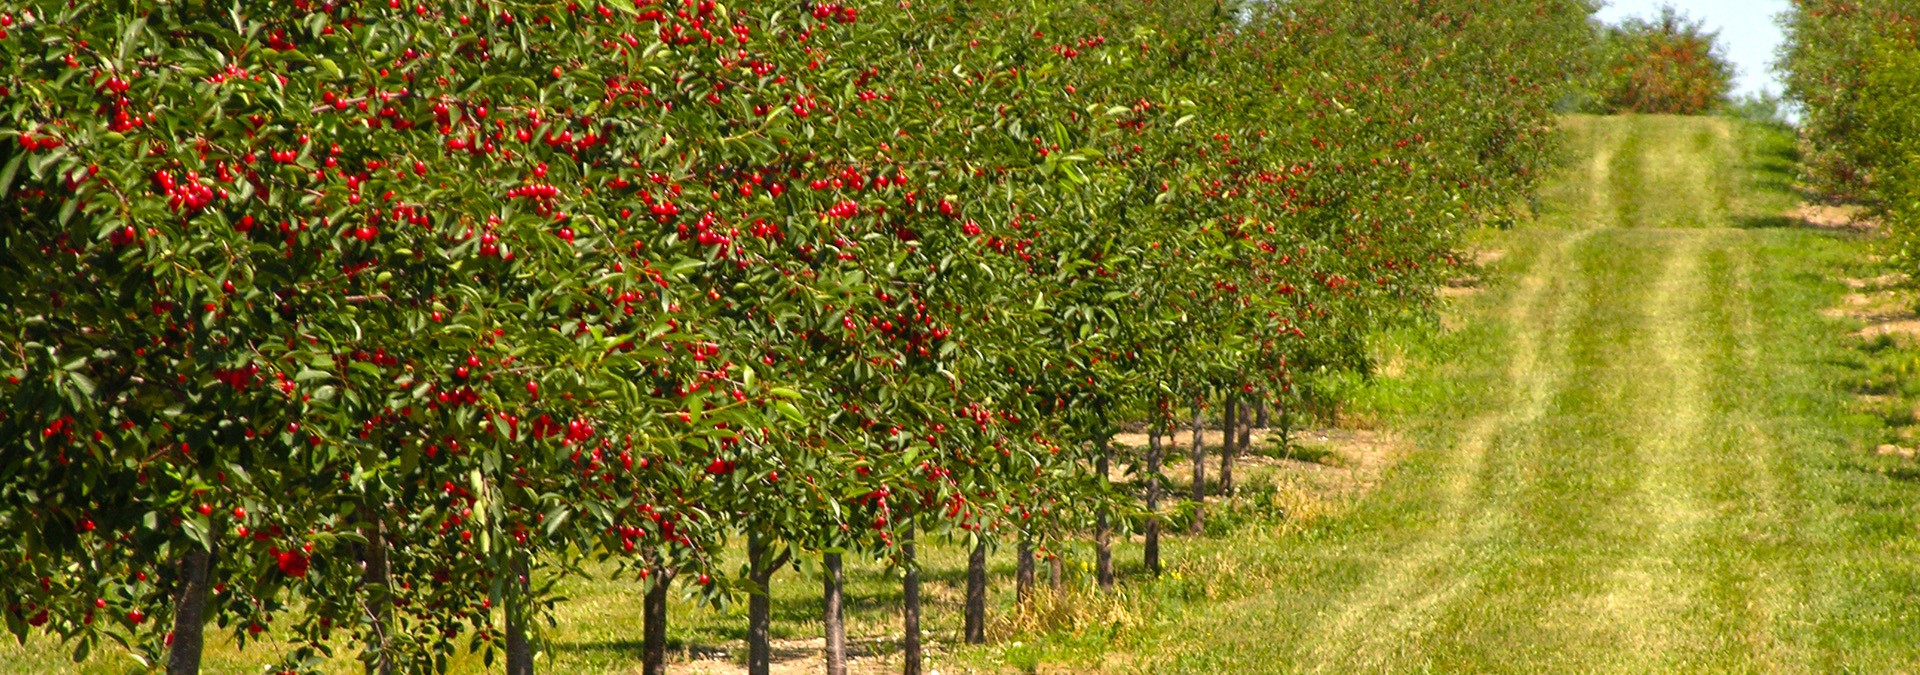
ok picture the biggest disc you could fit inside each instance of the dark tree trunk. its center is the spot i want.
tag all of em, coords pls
(759, 607)
(976, 626)
(834, 618)
(1023, 572)
(519, 654)
(653, 649)
(915, 654)
(1057, 573)
(376, 577)
(1246, 432)
(1199, 472)
(1229, 444)
(1102, 529)
(189, 614)
(1262, 422)
(519, 650)
(1152, 528)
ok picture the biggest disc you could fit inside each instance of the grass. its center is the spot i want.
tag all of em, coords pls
(1641, 450)
(1640, 454)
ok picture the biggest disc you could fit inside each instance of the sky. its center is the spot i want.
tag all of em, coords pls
(1748, 33)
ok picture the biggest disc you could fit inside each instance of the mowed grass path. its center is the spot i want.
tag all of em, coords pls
(1639, 460)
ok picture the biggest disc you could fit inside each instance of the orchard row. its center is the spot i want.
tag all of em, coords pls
(360, 323)
(1854, 68)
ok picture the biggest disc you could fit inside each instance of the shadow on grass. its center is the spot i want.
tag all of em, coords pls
(1768, 222)
(679, 649)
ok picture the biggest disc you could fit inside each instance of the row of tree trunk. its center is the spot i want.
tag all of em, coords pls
(1238, 421)
(1237, 424)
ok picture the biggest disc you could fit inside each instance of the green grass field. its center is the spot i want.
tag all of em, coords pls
(1639, 448)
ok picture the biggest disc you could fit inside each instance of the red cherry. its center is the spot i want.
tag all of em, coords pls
(137, 616)
(533, 388)
(239, 513)
(419, 168)
(292, 563)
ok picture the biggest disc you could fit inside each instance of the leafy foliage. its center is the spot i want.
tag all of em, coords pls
(1668, 64)
(1854, 69)
(478, 289)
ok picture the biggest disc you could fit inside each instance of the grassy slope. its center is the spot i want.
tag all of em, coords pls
(1636, 456)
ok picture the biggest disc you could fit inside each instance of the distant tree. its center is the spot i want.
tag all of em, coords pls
(1670, 64)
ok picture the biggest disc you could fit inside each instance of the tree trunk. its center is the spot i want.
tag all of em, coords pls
(1103, 530)
(519, 650)
(189, 614)
(1229, 444)
(910, 592)
(976, 627)
(759, 607)
(1057, 573)
(1153, 500)
(835, 621)
(653, 649)
(1023, 572)
(1262, 422)
(377, 576)
(1199, 472)
(1246, 432)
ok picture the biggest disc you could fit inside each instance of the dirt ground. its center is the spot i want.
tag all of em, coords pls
(1331, 463)
(794, 657)
(1833, 217)
(1886, 304)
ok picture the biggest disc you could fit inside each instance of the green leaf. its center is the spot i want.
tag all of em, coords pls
(556, 517)
(17, 625)
(198, 529)
(6, 175)
(695, 405)
(67, 209)
(131, 38)
(83, 383)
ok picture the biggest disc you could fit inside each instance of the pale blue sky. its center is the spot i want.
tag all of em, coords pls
(1748, 32)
